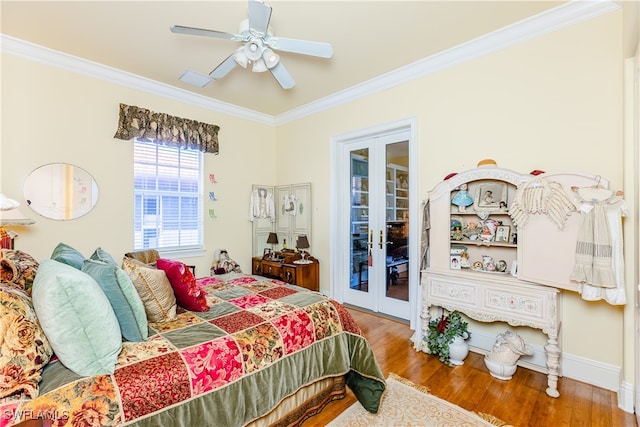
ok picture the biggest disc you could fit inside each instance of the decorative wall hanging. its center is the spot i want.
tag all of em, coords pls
(262, 204)
(599, 262)
(541, 196)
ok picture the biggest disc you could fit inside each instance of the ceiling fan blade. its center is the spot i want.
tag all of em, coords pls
(223, 69)
(282, 76)
(203, 32)
(305, 47)
(259, 16)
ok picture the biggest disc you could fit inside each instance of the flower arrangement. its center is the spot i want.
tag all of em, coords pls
(442, 332)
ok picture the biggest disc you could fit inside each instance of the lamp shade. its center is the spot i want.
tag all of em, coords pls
(302, 242)
(259, 66)
(10, 214)
(271, 58)
(272, 239)
(240, 57)
(7, 203)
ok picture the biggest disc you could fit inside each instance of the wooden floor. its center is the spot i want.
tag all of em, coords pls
(521, 401)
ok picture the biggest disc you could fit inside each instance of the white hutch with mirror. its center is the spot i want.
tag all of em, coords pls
(482, 265)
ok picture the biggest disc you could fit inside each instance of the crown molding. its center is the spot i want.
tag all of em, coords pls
(44, 55)
(546, 22)
(563, 16)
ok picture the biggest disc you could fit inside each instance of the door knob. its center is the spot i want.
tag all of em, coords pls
(383, 243)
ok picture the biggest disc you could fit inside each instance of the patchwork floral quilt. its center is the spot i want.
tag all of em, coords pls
(261, 341)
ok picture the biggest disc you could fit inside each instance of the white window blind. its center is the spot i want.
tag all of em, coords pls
(168, 200)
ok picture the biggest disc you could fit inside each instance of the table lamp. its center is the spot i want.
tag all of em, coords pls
(303, 243)
(272, 240)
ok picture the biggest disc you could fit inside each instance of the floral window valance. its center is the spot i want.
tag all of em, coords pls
(136, 122)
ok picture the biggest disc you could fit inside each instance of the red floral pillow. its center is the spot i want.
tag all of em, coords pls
(188, 294)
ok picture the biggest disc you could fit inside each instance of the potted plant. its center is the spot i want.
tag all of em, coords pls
(443, 331)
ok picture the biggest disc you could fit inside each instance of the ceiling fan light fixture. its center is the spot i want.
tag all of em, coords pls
(240, 57)
(253, 51)
(257, 50)
(195, 78)
(259, 66)
(270, 58)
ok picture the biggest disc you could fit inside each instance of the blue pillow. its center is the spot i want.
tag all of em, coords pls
(124, 299)
(77, 318)
(68, 255)
(101, 255)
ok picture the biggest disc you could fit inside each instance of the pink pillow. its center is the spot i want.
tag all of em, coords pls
(188, 294)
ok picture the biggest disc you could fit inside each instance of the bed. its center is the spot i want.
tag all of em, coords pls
(264, 353)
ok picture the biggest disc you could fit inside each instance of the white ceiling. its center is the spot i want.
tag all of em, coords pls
(369, 38)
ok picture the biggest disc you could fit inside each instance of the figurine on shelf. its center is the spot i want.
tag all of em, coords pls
(457, 233)
(462, 199)
(464, 260)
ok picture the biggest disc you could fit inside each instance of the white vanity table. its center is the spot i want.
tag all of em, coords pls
(499, 298)
(543, 254)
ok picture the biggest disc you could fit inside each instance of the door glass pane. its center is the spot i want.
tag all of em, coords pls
(359, 252)
(397, 217)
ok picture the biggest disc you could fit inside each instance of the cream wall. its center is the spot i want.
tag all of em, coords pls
(553, 103)
(50, 115)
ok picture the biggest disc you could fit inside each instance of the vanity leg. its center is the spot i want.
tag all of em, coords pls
(553, 364)
(426, 317)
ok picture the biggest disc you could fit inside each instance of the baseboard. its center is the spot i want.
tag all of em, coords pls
(603, 375)
(626, 401)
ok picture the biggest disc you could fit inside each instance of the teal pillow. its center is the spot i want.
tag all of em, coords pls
(101, 255)
(124, 299)
(68, 255)
(77, 318)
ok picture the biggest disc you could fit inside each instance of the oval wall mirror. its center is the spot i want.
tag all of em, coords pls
(61, 191)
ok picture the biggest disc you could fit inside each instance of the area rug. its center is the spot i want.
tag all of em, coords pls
(407, 404)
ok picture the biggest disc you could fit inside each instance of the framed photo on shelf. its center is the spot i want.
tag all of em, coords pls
(491, 196)
(266, 254)
(503, 233)
(455, 262)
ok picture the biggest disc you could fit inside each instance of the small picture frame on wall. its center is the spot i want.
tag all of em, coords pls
(491, 196)
(502, 233)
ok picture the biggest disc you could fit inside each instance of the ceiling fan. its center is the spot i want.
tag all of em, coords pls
(257, 50)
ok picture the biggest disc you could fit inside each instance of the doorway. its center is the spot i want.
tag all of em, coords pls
(375, 256)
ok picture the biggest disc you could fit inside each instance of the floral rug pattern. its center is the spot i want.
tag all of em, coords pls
(407, 404)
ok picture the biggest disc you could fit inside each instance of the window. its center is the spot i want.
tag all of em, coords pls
(168, 201)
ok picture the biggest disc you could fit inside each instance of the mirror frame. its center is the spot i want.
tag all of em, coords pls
(60, 191)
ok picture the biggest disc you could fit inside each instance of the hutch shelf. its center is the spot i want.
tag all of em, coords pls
(482, 265)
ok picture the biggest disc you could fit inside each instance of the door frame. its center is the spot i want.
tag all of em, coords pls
(632, 239)
(339, 233)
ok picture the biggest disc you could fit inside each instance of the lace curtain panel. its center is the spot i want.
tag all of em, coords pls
(136, 122)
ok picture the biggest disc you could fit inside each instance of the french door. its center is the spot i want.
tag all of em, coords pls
(374, 214)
